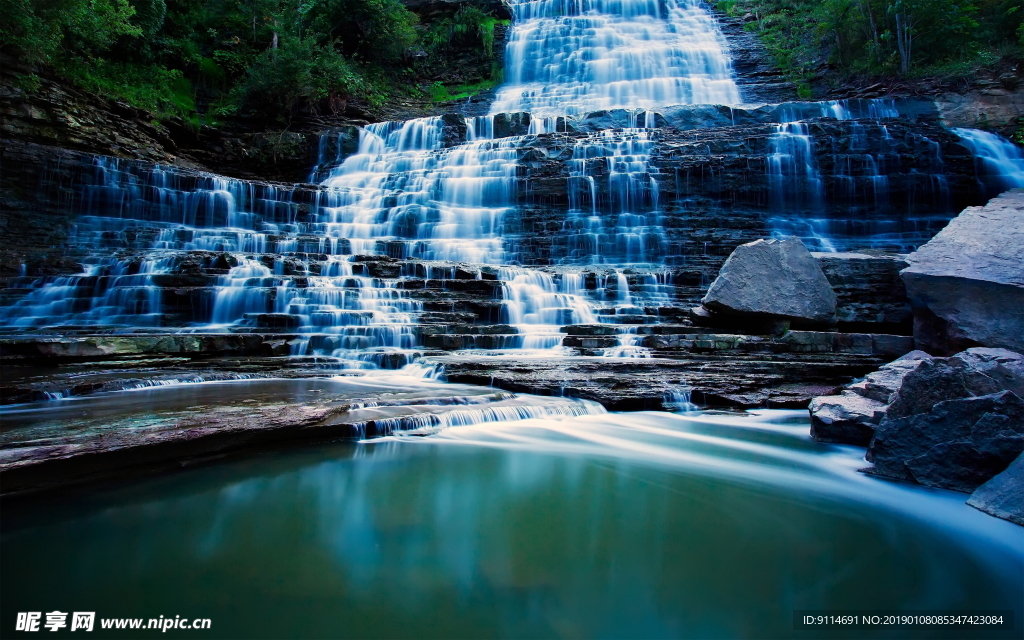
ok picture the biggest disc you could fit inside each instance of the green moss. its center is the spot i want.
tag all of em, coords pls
(164, 92)
(438, 92)
(1018, 135)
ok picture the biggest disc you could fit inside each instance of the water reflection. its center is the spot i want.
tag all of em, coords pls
(624, 525)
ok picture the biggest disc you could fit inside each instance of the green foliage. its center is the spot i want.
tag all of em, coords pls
(884, 37)
(27, 82)
(438, 92)
(219, 57)
(1018, 135)
(165, 92)
(373, 30)
(45, 30)
(468, 26)
(298, 71)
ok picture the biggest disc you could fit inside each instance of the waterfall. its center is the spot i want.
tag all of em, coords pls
(620, 225)
(997, 158)
(792, 170)
(535, 305)
(570, 57)
(354, 269)
(433, 203)
(629, 345)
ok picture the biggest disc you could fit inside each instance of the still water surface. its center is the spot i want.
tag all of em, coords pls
(637, 525)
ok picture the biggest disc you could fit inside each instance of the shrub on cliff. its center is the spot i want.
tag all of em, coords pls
(299, 71)
(215, 57)
(884, 37)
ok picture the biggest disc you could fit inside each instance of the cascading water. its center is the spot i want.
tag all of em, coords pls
(570, 57)
(619, 226)
(793, 176)
(998, 160)
(859, 175)
(172, 249)
(403, 189)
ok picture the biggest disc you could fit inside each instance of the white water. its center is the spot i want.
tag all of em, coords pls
(569, 57)
(434, 203)
(409, 193)
(997, 158)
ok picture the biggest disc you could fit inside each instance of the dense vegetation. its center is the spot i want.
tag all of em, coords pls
(207, 59)
(908, 38)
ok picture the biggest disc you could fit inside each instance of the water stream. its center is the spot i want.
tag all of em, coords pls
(482, 513)
(619, 525)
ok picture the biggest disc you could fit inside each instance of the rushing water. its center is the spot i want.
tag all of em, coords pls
(570, 57)
(624, 525)
(999, 160)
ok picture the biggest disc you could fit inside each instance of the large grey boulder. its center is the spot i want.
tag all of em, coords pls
(975, 372)
(883, 385)
(776, 278)
(1003, 495)
(989, 370)
(933, 407)
(966, 285)
(848, 418)
(959, 444)
(852, 416)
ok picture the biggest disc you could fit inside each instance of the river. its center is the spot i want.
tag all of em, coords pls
(706, 525)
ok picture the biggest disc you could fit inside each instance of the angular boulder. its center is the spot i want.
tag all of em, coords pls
(853, 416)
(1003, 495)
(989, 370)
(959, 444)
(966, 285)
(848, 418)
(883, 385)
(776, 278)
(974, 372)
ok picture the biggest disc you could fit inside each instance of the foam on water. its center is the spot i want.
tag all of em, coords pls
(570, 57)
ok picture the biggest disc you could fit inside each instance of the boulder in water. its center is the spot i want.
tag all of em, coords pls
(1003, 495)
(848, 418)
(853, 416)
(777, 278)
(966, 285)
(974, 372)
(959, 444)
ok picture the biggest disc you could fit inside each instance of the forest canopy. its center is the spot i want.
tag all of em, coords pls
(225, 57)
(910, 38)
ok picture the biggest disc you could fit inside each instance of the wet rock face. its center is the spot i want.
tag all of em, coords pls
(995, 107)
(966, 284)
(757, 75)
(853, 416)
(1003, 495)
(975, 372)
(626, 384)
(773, 278)
(913, 385)
(952, 422)
(958, 445)
(57, 114)
(870, 295)
(848, 418)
